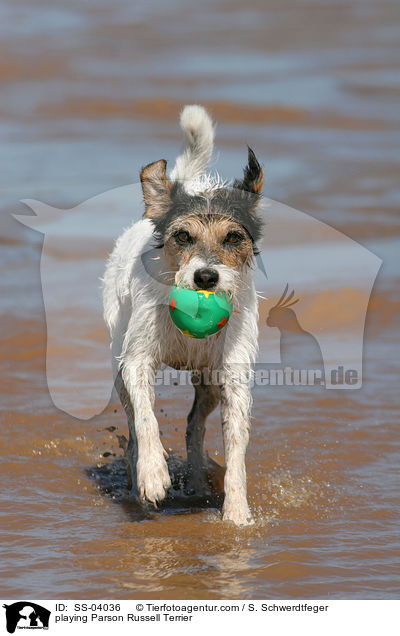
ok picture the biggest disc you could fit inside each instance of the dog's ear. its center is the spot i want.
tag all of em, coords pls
(156, 189)
(253, 175)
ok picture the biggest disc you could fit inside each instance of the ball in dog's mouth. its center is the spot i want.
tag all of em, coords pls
(199, 313)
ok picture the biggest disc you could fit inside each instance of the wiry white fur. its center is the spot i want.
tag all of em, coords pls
(205, 184)
(143, 337)
(198, 133)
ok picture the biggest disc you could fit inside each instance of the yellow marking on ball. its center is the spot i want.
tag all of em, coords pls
(206, 292)
(187, 333)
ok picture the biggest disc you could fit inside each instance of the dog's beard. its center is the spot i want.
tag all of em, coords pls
(229, 279)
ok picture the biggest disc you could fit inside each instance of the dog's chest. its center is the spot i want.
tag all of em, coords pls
(180, 351)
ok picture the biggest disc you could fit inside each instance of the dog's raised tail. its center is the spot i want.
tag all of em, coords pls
(198, 133)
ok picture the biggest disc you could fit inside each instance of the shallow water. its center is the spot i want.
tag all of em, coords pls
(89, 95)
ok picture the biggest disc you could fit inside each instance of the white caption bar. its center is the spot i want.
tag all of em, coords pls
(169, 617)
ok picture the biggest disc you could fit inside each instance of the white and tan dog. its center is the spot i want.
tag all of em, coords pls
(199, 233)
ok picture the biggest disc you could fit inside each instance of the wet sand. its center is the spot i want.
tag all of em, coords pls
(88, 97)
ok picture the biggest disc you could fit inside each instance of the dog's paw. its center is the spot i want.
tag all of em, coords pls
(153, 478)
(239, 514)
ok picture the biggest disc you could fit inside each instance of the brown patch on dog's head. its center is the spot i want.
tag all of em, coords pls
(156, 189)
(218, 239)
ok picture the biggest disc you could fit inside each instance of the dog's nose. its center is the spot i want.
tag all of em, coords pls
(205, 278)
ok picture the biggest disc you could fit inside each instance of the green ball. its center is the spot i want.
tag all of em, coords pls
(199, 313)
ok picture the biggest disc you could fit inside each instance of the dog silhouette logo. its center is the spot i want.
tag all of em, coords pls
(26, 615)
(77, 242)
(298, 347)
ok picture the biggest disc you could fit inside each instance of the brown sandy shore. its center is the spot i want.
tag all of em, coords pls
(225, 112)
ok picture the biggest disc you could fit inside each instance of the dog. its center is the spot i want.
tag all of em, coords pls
(197, 232)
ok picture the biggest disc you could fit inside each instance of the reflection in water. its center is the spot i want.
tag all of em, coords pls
(111, 480)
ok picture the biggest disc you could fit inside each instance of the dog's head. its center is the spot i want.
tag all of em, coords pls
(209, 237)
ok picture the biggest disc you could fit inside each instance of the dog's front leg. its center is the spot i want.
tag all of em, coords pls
(235, 413)
(131, 450)
(153, 479)
(206, 400)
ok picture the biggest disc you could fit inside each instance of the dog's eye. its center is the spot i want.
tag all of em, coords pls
(183, 238)
(233, 238)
